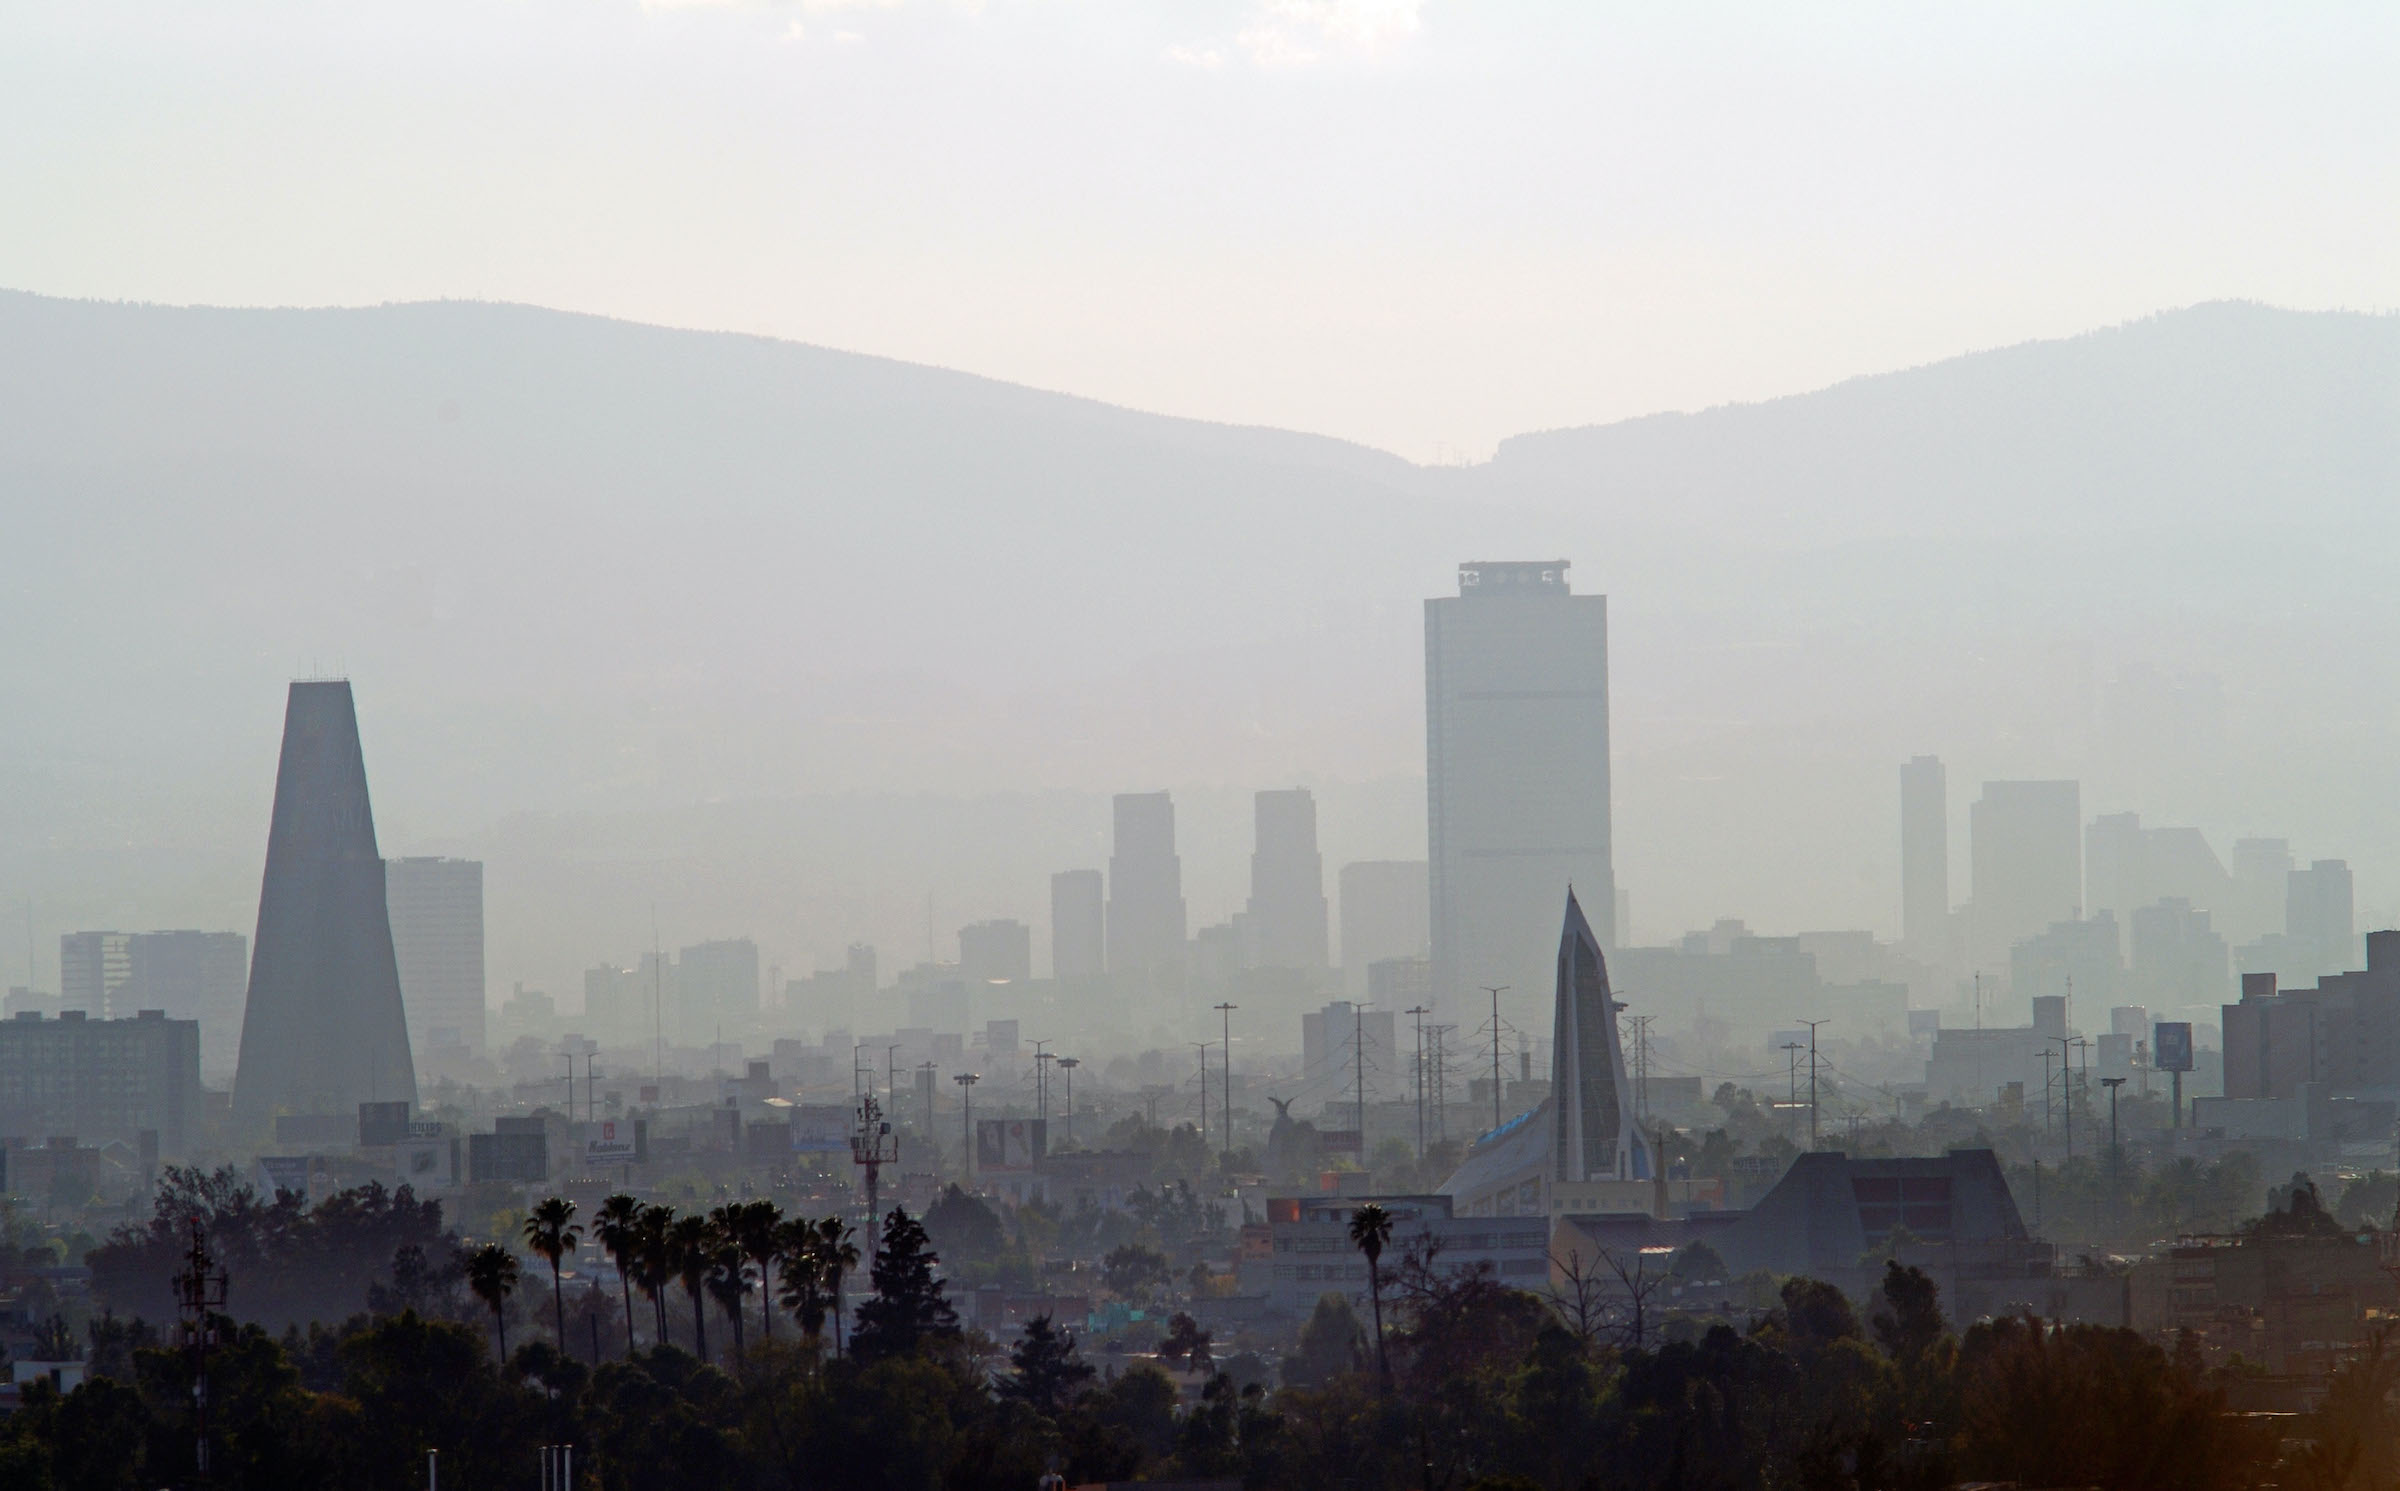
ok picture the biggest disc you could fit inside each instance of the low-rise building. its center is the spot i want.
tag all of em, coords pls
(1309, 1242)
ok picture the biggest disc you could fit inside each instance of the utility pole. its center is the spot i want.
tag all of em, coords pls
(1202, 1048)
(1812, 1076)
(1791, 1072)
(1419, 1011)
(966, 1121)
(2115, 1163)
(1495, 990)
(2045, 1092)
(2063, 1042)
(1358, 1046)
(1068, 1064)
(1225, 1016)
(1641, 1064)
(1441, 1080)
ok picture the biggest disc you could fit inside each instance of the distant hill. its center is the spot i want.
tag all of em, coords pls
(587, 568)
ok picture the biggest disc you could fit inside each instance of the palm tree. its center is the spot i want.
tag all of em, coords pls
(657, 1256)
(758, 1229)
(548, 1233)
(803, 1280)
(492, 1274)
(729, 1280)
(617, 1224)
(1370, 1229)
(836, 1255)
(691, 1249)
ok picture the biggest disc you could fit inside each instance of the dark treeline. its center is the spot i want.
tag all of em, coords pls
(1454, 1381)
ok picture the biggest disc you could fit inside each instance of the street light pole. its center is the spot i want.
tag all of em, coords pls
(1068, 1064)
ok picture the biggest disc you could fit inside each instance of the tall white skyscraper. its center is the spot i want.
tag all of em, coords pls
(436, 907)
(1287, 883)
(1516, 768)
(1147, 922)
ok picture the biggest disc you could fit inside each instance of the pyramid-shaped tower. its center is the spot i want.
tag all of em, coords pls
(323, 1029)
(1596, 1136)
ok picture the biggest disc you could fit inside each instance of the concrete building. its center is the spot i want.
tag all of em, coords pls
(1147, 921)
(1078, 928)
(1384, 915)
(100, 1080)
(323, 1025)
(1309, 1242)
(197, 976)
(436, 907)
(2343, 1035)
(1925, 858)
(993, 952)
(2026, 842)
(1287, 916)
(1517, 776)
(1833, 1218)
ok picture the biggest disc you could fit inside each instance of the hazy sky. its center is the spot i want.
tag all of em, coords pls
(1423, 224)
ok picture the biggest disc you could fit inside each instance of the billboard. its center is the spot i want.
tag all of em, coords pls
(1341, 1141)
(821, 1128)
(610, 1142)
(1010, 1143)
(2171, 1045)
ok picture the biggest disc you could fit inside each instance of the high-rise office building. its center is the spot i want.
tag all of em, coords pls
(1146, 919)
(196, 976)
(2317, 918)
(92, 967)
(996, 952)
(1287, 925)
(1078, 927)
(1383, 916)
(437, 937)
(2026, 841)
(1925, 857)
(715, 991)
(323, 1025)
(1517, 775)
